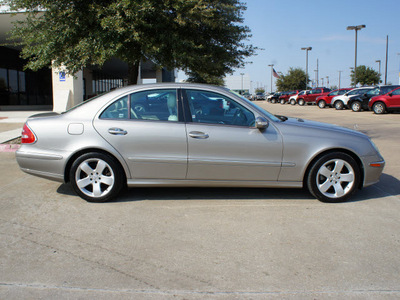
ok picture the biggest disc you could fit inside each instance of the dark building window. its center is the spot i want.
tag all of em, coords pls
(18, 87)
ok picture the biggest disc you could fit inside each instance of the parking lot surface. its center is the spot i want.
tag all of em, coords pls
(192, 243)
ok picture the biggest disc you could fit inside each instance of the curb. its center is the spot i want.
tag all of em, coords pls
(9, 147)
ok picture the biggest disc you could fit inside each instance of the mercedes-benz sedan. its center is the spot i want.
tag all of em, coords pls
(193, 135)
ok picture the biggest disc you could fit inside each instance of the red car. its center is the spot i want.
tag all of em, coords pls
(323, 101)
(311, 96)
(385, 103)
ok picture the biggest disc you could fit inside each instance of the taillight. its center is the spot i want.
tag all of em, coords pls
(27, 137)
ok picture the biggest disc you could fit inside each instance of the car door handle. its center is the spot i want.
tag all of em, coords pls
(117, 131)
(198, 135)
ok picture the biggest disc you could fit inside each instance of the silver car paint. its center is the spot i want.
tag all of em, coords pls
(231, 156)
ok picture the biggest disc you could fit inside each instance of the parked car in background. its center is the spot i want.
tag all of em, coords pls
(325, 100)
(293, 98)
(340, 102)
(260, 96)
(385, 103)
(284, 98)
(103, 145)
(360, 102)
(275, 97)
(248, 96)
(311, 96)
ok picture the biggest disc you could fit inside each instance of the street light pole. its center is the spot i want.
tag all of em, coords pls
(307, 49)
(340, 72)
(241, 92)
(272, 66)
(356, 29)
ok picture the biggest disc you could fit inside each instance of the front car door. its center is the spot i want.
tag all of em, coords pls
(151, 138)
(223, 143)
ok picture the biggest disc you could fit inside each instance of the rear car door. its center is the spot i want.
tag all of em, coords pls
(149, 135)
(223, 143)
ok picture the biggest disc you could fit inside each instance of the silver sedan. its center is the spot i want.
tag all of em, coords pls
(193, 135)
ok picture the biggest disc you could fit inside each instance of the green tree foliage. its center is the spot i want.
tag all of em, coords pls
(260, 90)
(294, 80)
(365, 76)
(203, 36)
(204, 78)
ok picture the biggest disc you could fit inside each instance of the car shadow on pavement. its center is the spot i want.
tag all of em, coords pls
(388, 186)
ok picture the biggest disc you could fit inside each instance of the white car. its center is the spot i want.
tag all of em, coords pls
(340, 102)
(293, 99)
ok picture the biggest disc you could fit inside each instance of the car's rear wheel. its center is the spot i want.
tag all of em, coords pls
(273, 101)
(283, 101)
(293, 102)
(334, 177)
(379, 108)
(356, 106)
(96, 177)
(339, 105)
(321, 104)
(301, 102)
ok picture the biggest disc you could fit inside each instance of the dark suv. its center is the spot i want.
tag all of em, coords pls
(311, 96)
(360, 102)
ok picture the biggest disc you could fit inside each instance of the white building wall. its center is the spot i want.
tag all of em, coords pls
(235, 82)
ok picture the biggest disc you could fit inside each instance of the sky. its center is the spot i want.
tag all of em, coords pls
(282, 27)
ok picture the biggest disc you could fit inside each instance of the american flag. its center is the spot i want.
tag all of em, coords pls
(276, 75)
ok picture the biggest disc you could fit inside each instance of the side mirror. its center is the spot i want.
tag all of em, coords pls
(261, 123)
(390, 94)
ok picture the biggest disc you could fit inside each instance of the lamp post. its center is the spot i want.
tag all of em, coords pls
(399, 69)
(241, 92)
(272, 66)
(340, 72)
(307, 49)
(356, 29)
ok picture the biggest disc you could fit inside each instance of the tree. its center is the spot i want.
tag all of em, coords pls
(204, 78)
(365, 76)
(260, 90)
(203, 36)
(294, 80)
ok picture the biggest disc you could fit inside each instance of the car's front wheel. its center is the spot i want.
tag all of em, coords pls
(339, 105)
(293, 102)
(301, 102)
(356, 106)
(321, 104)
(96, 177)
(379, 108)
(334, 177)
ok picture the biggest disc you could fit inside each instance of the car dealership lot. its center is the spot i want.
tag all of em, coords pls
(192, 243)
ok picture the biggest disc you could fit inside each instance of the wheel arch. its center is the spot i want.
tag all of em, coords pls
(348, 152)
(81, 152)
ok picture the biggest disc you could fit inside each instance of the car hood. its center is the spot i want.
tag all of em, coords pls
(320, 126)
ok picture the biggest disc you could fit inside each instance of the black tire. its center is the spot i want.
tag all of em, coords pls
(321, 104)
(283, 101)
(379, 108)
(301, 102)
(356, 106)
(293, 102)
(334, 177)
(96, 177)
(273, 101)
(339, 105)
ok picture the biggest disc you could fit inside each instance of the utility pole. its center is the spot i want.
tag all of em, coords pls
(307, 49)
(339, 78)
(387, 47)
(317, 73)
(272, 66)
(356, 29)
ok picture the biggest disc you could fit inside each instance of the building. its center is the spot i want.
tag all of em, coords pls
(52, 89)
